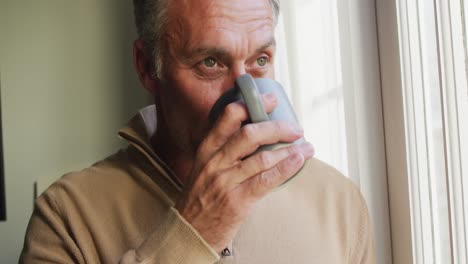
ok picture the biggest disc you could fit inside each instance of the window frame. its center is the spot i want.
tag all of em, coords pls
(395, 141)
(406, 237)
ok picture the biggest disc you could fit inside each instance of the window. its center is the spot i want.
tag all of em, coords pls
(341, 75)
(424, 84)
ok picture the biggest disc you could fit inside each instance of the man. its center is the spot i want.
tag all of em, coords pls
(188, 192)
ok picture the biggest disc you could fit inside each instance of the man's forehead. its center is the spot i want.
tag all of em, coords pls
(233, 10)
(201, 15)
(201, 20)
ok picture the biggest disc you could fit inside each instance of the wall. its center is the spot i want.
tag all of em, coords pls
(67, 85)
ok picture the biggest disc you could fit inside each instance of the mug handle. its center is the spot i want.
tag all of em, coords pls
(252, 98)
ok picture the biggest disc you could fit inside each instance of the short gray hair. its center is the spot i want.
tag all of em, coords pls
(151, 20)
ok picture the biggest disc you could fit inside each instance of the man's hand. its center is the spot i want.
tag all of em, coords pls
(227, 182)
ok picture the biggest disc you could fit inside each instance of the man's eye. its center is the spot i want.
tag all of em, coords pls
(210, 62)
(262, 61)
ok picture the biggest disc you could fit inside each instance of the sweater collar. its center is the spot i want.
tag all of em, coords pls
(138, 133)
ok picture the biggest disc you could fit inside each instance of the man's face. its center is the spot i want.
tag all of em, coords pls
(209, 43)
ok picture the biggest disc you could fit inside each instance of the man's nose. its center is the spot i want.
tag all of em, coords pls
(238, 70)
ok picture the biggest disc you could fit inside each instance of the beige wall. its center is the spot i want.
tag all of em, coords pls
(67, 85)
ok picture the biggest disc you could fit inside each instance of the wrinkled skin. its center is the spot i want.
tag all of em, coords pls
(209, 43)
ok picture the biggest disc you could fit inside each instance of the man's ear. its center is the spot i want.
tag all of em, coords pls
(144, 65)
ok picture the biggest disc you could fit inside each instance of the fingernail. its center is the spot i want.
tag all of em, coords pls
(307, 150)
(296, 157)
(298, 129)
(270, 96)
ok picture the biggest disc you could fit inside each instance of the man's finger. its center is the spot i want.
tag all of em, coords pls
(229, 123)
(261, 162)
(251, 136)
(261, 184)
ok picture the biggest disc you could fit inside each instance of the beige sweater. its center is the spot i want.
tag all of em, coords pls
(120, 210)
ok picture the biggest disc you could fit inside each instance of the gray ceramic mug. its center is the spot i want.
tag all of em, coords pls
(249, 90)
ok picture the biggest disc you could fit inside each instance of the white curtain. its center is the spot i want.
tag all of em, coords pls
(327, 59)
(309, 66)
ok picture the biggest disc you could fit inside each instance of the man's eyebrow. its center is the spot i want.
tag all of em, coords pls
(222, 52)
(206, 51)
(269, 43)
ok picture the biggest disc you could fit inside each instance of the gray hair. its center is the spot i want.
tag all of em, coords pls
(151, 20)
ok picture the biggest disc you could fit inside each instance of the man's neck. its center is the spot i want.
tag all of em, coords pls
(179, 160)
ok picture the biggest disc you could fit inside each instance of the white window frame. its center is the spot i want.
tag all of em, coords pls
(407, 246)
(393, 105)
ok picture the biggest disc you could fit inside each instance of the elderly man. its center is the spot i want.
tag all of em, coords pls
(185, 191)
